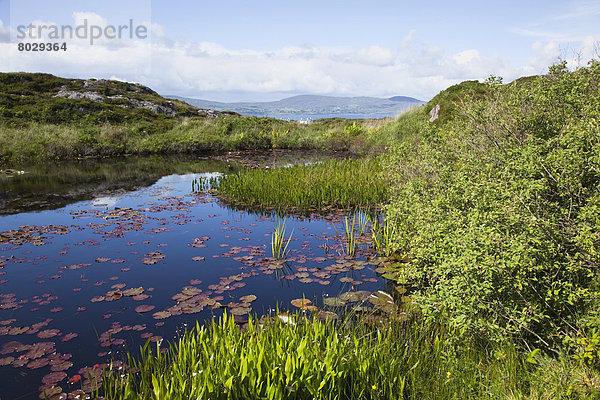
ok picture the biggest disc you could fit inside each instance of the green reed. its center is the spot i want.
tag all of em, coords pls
(349, 183)
(349, 235)
(299, 357)
(383, 236)
(279, 244)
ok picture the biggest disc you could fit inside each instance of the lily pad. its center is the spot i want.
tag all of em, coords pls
(112, 295)
(161, 315)
(53, 378)
(248, 299)
(354, 296)
(48, 333)
(38, 363)
(333, 302)
(133, 291)
(144, 308)
(301, 303)
(383, 301)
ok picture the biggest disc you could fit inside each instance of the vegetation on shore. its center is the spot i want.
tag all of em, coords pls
(300, 357)
(43, 118)
(348, 183)
(496, 206)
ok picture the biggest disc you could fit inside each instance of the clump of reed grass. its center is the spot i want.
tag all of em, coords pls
(346, 184)
(279, 244)
(383, 237)
(299, 357)
(349, 235)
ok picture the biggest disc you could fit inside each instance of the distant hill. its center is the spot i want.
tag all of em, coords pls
(26, 97)
(313, 105)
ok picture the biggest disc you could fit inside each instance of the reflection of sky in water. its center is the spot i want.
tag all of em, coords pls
(169, 227)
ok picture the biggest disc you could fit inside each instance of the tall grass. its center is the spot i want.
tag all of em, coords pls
(349, 236)
(279, 244)
(349, 183)
(383, 237)
(308, 358)
(35, 141)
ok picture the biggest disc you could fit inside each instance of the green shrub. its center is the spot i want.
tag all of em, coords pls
(499, 209)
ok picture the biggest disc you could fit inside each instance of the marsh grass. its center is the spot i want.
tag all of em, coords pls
(339, 184)
(349, 236)
(279, 244)
(300, 357)
(383, 236)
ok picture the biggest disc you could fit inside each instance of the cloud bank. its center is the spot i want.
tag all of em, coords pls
(194, 68)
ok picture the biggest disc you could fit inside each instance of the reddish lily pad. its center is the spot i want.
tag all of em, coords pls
(53, 378)
(39, 363)
(248, 299)
(69, 336)
(144, 308)
(133, 291)
(6, 361)
(48, 333)
(112, 295)
(161, 315)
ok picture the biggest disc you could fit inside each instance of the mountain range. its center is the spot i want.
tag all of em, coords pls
(313, 105)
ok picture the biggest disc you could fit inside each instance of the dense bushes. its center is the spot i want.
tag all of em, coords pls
(500, 208)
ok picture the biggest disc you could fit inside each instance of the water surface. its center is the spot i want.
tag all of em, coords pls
(84, 247)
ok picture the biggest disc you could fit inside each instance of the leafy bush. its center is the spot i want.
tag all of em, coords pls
(500, 209)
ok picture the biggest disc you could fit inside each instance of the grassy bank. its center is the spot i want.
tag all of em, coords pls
(349, 183)
(48, 118)
(300, 358)
(38, 142)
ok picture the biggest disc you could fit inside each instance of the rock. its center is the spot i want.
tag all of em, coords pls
(69, 94)
(435, 113)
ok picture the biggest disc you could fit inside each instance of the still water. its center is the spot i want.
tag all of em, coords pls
(96, 258)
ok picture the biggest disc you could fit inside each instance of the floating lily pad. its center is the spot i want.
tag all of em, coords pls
(53, 378)
(248, 298)
(240, 310)
(52, 393)
(48, 333)
(161, 315)
(133, 291)
(300, 303)
(191, 291)
(383, 301)
(69, 336)
(118, 286)
(39, 363)
(354, 296)
(144, 308)
(61, 366)
(6, 361)
(333, 302)
(112, 295)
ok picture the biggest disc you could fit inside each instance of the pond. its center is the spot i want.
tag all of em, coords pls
(96, 258)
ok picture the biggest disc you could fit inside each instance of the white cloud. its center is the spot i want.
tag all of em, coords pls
(544, 55)
(466, 57)
(187, 69)
(4, 33)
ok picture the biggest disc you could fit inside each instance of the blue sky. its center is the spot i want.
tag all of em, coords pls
(261, 50)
